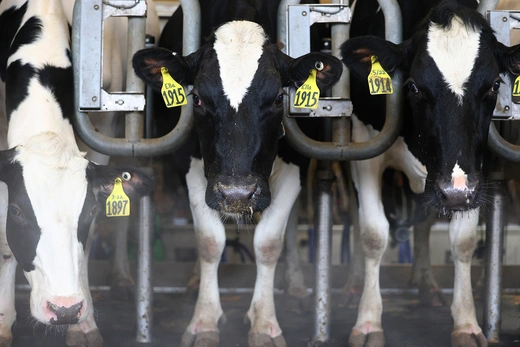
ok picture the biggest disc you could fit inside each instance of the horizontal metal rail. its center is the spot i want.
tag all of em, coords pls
(134, 144)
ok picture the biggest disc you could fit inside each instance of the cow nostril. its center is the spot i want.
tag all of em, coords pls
(234, 193)
(455, 198)
(65, 315)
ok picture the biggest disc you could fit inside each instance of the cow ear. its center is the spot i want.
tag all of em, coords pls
(136, 183)
(509, 59)
(357, 54)
(328, 69)
(147, 64)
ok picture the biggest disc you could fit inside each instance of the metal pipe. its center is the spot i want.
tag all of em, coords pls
(281, 21)
(323, 253)
(502, 147)
(486, 5)
(493, 266)
(144, 290)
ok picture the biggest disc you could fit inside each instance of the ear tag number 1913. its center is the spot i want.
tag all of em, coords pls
(379, 81)
(171, 91)
(118, 203)
(516, 87)
(308, 94)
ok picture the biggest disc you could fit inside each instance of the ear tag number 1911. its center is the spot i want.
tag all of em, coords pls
(118, 203)
(171, 91)
(516, 87)
(379, 81)
(308, 94)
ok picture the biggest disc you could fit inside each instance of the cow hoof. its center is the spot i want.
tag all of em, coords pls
(76, 338)
(264, 340)
(5, 341)
(122, 289)
(374, 339)
(202, 339)
(468, 340)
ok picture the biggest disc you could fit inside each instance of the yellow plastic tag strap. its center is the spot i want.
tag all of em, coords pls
(379, 81)
(516, 87)
(172, 92)
(118, 203)
(308, 94)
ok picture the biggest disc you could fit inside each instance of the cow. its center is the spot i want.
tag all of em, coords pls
(451, 64)
(241, 171)
(53, 191)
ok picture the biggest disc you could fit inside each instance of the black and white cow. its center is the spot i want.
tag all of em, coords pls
(53, 190)
(238, 79)
(451, 64)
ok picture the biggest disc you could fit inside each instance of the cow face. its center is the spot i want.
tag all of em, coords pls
(451, 67)
(53, 192)
(238, 81)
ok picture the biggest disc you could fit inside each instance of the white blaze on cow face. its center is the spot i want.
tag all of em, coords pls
(459, 178)
(239, 45)
(454, 50)
(54, 173)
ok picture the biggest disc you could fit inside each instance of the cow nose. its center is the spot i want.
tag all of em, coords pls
(233, 194)
(457, 198)
(65, 314)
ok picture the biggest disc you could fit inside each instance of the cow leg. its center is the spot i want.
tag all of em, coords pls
(268, 243)
(430, 293)
(463, 240)
(211, 239)
(374, 227)
(7, 276)
(86, 333)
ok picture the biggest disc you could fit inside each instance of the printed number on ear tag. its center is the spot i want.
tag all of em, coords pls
(171, 91)
(308, 94)
(118, 203)
(379, 81)
(516, 87)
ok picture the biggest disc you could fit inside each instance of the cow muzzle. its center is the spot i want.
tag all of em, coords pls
(238, 198)
(64, 310)
(457, 198)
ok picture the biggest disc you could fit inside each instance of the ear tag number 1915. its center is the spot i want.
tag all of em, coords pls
(118, 203)
(379, 81)
(308, 94)
(171, 91)
(516, 87)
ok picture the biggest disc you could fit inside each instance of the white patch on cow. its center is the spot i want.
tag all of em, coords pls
(239, 45)
(454, 50)
(39, 53)
(459, 178)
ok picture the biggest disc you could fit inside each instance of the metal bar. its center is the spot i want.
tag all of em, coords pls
(493, 266)
(323, 253)
(486, 5)
(500, 146)
(144, 290)
(282, 20)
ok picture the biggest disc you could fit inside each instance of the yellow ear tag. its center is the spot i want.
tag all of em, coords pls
(171, 91)
(516, 87)
(308, 94)
(118, 203)
(379, 81)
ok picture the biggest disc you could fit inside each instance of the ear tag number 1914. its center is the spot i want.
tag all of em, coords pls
(118, 203)
(379, 81)
(308, 94)
(516, 87)
(171, 91)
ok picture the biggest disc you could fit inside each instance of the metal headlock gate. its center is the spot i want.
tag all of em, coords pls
(89, 97)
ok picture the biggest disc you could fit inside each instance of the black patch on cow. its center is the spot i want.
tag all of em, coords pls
(28, 33)
(88, 212)
(10, 21)
(60, 82)
(17, 85)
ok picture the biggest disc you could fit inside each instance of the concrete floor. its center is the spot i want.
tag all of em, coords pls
(405, 323)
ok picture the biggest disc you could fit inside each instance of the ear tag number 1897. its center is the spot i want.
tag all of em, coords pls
(171, 91)
(308, 94)
(118, 203)
(379, 81)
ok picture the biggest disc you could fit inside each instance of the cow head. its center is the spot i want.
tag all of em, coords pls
(238, 80)
(452, 69)
(53, 198)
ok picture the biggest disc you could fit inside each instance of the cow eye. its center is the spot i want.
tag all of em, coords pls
(16, 212)
(196, 100)
(279, 100)
(413, 88)
(496, 86)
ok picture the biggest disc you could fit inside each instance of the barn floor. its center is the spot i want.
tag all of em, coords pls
(406, 324)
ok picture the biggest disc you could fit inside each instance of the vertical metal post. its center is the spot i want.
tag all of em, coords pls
(144, 295)
(493, 266)
(323, 227)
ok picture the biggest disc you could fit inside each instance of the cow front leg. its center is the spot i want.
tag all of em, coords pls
(211, 239)
(7, 276)
(368, 331)
(268, 243)
(463, 240)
